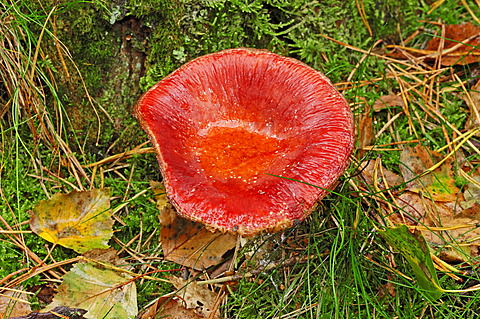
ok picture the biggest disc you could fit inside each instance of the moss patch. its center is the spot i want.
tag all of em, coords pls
(122, 49)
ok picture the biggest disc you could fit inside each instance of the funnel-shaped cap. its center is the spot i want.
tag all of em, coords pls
(237, 130)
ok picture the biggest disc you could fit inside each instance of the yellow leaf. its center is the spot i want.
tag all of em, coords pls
(160, 194)
(79, 220)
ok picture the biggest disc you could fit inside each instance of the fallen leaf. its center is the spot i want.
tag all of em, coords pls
(79, 220)
(190, 244)
(442, 188)
(454, 255)
(439, 184)
(414, 161)
(56, 313)
(374, 173)
(13, 303)
(387, 102)
(458, 46)
(196, 297)
(103, 292)
(459, 234)
(160, 194)
(109, 256)
(365, 133)
(455, 232)
(447, 218)
(186, 242)
(412, 208)
(473, 102)
(446, 226)
(453, 51)
(422, 208)
(442, 224)
(44, 292)
(169, 308)
(413, 247)
(472, 191)
(471, 195)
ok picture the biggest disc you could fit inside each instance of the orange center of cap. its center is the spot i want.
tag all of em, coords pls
(236, 153)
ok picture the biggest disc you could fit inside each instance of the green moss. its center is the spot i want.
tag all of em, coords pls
(122, 50)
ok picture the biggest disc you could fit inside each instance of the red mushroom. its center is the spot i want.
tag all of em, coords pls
(242, 135)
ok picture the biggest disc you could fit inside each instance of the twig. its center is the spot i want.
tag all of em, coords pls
(126, 154)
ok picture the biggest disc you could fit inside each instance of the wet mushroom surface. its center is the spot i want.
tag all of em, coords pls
(247, 140)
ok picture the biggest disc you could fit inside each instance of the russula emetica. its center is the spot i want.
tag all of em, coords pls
(242, 135)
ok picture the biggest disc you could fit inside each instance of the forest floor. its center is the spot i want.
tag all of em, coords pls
(84, 220)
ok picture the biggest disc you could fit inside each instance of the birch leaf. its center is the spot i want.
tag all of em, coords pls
(79, 220)
(103, 292)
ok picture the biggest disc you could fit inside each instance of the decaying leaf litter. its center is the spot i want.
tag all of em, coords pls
(423, 192)
(425, 196)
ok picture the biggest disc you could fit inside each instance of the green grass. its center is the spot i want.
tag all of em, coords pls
(333, 265)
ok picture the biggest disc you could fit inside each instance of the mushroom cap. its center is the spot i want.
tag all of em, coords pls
(247, 140)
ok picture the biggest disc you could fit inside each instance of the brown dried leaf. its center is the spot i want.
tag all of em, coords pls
(44, 292)
(473, 102)
(447, 218)
(169, 308)
(109, 256)
(471, 195)
(365, 133)
(446, 225)
(186, 242)
(387, 289)
(443, 224)
(413, 208)
(370, 170)
(196, 297)
(388, 101)
(414, 161)
(13, 304)
(459, 235)
(460, 47)
(466, 53)
(190, 244)
(439, 185)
